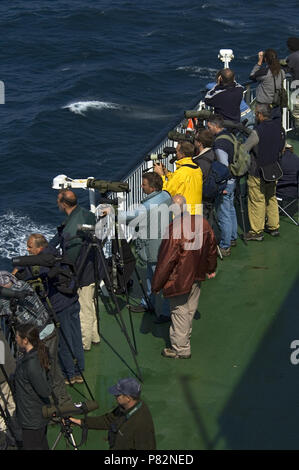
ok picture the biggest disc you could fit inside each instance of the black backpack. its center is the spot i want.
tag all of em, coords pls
(216, 180)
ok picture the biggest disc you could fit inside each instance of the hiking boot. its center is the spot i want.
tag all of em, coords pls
(171, 354)
(250, 236)
(273, 233)
(225, 251)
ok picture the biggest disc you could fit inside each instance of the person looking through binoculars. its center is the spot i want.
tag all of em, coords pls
(186, 179)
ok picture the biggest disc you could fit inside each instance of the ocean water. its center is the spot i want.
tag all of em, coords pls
(91, 85)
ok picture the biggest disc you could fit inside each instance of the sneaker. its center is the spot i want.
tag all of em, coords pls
(162, 319)
(70, 381)
(171, 354)
(273, 233)
(78, 379)
(249, 236)
(233, 243)
(225, 251)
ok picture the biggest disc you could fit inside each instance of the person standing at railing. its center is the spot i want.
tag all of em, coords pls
(266, 143)
(226, 96)
(292, 62)
(71, 246)
(153, 219)
(186, 179)
(269, 75)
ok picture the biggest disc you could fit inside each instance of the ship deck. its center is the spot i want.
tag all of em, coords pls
(240, 389)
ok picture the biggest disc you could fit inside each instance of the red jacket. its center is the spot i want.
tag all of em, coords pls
(187, 255)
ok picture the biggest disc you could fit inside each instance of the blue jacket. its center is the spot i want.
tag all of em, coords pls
(151, 226)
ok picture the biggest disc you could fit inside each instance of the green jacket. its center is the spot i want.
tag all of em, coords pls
(70, 226)
(128, 430)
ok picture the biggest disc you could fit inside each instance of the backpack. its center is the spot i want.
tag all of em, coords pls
(216, 180)
(241, 158)
(280, 94)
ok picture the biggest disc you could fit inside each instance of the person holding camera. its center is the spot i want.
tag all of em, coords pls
(152, 223)
(269, 75)
(226, 96)
(66, 308)
(32, 387)
(186, 179)
(130, 425)
(71, 245)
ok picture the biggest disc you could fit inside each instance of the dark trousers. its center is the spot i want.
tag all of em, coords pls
(57, 378)
(35, 439)
(70, 325)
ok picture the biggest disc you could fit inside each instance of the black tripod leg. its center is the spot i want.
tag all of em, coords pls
(126, 292)
(99, 250)
(238, 190)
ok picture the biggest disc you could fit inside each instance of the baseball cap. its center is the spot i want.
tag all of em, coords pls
(128, 386)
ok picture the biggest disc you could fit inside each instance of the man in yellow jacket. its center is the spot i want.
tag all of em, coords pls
(186, 180)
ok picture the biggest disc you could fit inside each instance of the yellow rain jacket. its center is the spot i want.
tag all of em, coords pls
(187, 182)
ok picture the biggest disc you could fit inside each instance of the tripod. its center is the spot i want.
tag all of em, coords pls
(66, 432)
(95, 248)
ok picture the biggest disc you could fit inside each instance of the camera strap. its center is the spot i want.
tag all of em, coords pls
(190, 166)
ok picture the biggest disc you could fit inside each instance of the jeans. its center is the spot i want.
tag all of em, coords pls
(226, 215)
(162, 304)
(70, 328)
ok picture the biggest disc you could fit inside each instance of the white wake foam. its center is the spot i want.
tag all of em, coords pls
(81, 107)
(14, 232)
(204, 72)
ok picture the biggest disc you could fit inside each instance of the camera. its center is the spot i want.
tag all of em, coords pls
(160, 156)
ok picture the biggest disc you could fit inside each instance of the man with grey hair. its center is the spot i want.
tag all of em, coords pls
(186, 258)
(266, 143)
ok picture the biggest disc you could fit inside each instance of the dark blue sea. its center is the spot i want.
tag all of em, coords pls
(91, 85)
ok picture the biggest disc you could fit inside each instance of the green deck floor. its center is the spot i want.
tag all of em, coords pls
(239, 390)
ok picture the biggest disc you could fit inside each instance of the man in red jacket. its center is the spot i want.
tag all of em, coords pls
(186, 258)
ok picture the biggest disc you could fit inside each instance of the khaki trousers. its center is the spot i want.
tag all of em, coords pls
(262, 204)
(183, 308)
(88, 317)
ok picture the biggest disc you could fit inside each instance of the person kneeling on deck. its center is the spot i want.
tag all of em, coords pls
(187, 178)
(185, 259)
(130, 425)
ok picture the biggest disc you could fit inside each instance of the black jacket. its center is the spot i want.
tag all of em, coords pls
(270, 145)
(135, 432)
(226, 100)
(204, 161)
(31, 391)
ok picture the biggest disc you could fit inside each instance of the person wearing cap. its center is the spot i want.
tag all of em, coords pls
(130, 425)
